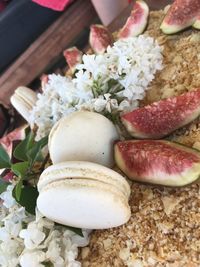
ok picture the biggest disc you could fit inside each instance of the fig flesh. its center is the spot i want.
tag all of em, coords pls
(73, 57)
(99, 38)
(137, 21)
(163, 117)
(181, 14)
(158, 162)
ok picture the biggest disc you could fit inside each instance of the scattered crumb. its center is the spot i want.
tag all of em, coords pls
(164, 230)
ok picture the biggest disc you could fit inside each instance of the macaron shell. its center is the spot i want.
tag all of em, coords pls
(91, 207)
(23, 101)
(84, 136)
(21, 106)
(83, 170)
(28, 95)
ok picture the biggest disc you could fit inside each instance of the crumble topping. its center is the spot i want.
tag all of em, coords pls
(164, 229)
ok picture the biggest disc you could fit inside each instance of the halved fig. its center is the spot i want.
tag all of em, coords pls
(158, 162)
(73, 57)
(99, 38)
(163, 117)
(196, 25)
(137, 21)
(182, 14)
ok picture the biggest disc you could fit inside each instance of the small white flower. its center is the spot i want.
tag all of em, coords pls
(32, 259)
(80, 241)
(54, 251)
(32, 236)
(74, 264)
(99, 104)
(11, 247)
(124, 105)
(8, 200)
(10, 229)
(8, 260)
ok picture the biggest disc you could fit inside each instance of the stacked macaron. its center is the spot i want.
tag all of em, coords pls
(77, 190)
(84, 194)
(83, 135)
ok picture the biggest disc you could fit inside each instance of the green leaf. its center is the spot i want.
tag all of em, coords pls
(23, 147)
(20, 168)
(28, 198)
(4, 158)
(3, 185)
(17, 190)
(34, 154)
(48, 264)
(77, 231)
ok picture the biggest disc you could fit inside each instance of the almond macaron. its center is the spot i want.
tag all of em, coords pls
(84, 194)
(83, 136)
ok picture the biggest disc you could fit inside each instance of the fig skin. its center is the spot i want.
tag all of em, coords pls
(73, 57)
(158, 162)
(100, 38)
(136, 22)
(161, 118)
(181, 15)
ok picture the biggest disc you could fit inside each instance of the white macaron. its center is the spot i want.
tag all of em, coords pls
(83, 136)
(23, 101)
(84, 194)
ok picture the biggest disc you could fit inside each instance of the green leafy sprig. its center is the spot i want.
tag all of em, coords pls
(26, 171)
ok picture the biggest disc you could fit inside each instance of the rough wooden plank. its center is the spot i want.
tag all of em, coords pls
(44, 50)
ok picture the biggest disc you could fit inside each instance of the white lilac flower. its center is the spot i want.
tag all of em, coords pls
(11, 247)
(10, 230)
(9, 252)
(32, 259)
(134, 62)
(43, 222)
(80, 241)
(95, 65)
(7, 260)
(32, 236)
(105, 103)
(8, 200)
(53, 253)
(59, 98)
(113, 81)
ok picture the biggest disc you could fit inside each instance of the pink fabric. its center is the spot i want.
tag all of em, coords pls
(58, 5)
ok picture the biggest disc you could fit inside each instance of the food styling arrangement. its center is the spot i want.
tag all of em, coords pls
(105, 172)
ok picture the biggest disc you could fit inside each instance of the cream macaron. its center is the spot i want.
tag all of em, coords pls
(23, 101)
(84, 194)
(84, 136)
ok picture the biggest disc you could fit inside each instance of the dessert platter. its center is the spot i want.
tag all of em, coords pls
(105, 173)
